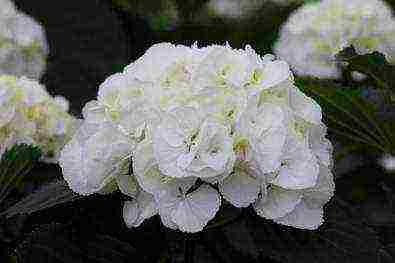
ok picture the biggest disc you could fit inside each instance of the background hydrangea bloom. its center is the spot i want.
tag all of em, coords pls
(183, 126)
(30, 115)
(242, 9)
(233, 8)
(318, 31)
(387, 161)
(23, 45)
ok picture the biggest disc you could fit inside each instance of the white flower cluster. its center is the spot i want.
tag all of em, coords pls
(200, 125)
(318, 31)
(28, 114)
(23, 46)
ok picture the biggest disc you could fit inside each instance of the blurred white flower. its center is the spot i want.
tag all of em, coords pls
(234, 8)
(387, 161)
(317, 31)
(23, 44)
(30, 115)
(183, 126)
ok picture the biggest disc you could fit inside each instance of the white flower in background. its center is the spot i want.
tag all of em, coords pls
(30, 115)
(236, 9)
(183, 127)
(23, 45)
(318, 31)
(387, 161)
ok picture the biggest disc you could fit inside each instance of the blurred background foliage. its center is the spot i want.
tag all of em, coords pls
(41, 220)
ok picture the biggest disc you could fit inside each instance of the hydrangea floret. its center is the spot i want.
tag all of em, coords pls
(184, 129)
(28, 114)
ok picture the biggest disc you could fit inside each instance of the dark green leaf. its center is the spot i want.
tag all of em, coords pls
(47, 196)
(342, 238)
(350, 117)
(15, 164)
(373, 64)
(63, 243)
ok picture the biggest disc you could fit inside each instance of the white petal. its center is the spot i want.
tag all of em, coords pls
(155, 61)
(63, 103)
(215, 150)
(274, 73)
(225, 174)
(89, 165)
(130, 213)
(145, 168)
(266, 132)
(185, 159)
(150, 177)
(166, 156)
(170, 131)
(305, 107)
(188, 118)
(240, 189)
(7, 112)
(193, 213)
(301, 167)
(320, 145)
(127, 184)
(268, 151)
(303, 217)
(139, 209)
(166, 204)
(277, 203)
(323, 191)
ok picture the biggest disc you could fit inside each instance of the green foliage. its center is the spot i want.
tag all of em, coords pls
(344, 237)
(351, 118)
(373, 64)
(15, 164)
(50, 195)
(58, 243)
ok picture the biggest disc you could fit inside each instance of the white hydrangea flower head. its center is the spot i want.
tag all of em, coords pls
(23, 44)
(318, 31)
(30, 115)
(182, 127)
